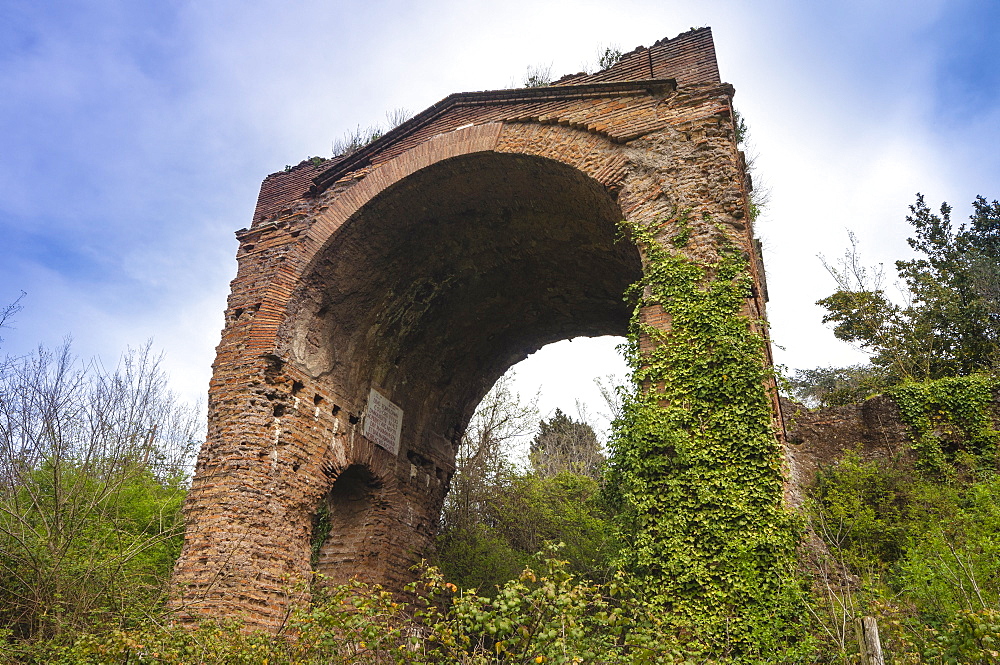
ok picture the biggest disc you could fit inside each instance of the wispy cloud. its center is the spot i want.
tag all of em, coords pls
(136, 134)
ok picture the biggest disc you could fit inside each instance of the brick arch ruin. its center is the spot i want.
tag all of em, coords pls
(380, 295)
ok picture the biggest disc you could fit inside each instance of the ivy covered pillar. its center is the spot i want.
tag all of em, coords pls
(697, 457)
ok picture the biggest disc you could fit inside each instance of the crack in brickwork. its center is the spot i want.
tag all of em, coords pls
(449, 251)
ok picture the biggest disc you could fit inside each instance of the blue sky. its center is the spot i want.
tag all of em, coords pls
(135, 136)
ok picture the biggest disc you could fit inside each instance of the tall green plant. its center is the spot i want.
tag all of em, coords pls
(496, 516)
(919, 552)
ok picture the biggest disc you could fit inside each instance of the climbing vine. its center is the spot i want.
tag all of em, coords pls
(949, 421)
(696, 466)
(320, 532)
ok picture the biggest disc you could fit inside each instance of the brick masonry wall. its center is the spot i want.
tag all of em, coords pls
(423, 268)
(819, 438)
(688, 57)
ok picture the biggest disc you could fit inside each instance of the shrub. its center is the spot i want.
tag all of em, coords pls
(546, 615)
(92, 476)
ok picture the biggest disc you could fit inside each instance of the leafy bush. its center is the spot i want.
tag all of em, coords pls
(863, 511)
(546, 615)
(519, 519)
(93, 471)
(972, 637)
(497, 516)
(926, 553)
(952, 563)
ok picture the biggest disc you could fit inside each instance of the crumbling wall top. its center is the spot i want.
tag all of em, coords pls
(685, 61)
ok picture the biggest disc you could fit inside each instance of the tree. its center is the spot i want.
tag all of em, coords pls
(496, 517)
(93, 470)
(483, 463)
(566, 445)
(9, 311)
(835, 386)
(469, 550)
(949, 324)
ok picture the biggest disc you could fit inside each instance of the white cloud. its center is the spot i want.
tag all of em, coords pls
(140, 140)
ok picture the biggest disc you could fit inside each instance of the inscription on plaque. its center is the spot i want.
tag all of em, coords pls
(383, 422)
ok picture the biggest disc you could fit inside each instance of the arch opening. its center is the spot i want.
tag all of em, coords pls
(342, 540)
(564, 374)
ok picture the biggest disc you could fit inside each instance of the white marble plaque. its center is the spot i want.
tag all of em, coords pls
(383, 422)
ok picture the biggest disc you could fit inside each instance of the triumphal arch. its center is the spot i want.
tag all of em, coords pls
(380, 294)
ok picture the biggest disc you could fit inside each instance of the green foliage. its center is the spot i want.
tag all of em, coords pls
(93, 469)
(950, 422)
(926, 554)
(350, 623)
(497, 516)
(759, 195)
(356, 140)
(681, 232)
(608, 57)
(950, 325)
(862, 510)
(67, 563)
(695, 465)
(320, 532)
(550, 617)
(971, 637)
(545, 615)
(836, 386)
(538, 76)
(742, 129)
(518, 519)
(477, 557)
(954, 565)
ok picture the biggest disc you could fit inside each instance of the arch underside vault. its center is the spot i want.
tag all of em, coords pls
(437, 286)
(427, 294)
(417, 273)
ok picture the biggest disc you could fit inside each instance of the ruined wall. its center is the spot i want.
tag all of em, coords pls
(820, 438)
(416, 271)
